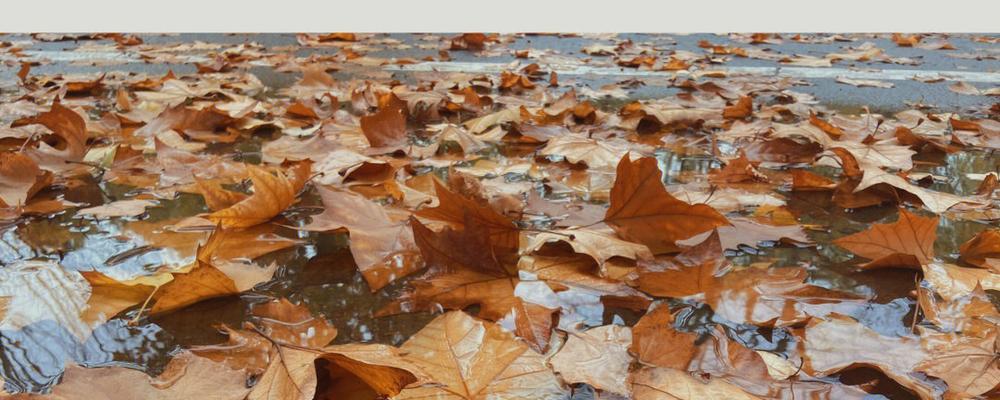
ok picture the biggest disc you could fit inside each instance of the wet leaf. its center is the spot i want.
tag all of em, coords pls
(383, 248)
(272, 194)
(598, 357)
(469, 359)
(642, 210)
(186, 376)
(906, 243)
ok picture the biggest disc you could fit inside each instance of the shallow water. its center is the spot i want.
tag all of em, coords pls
(321, 274)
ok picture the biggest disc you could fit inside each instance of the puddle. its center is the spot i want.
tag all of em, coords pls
(321, 274)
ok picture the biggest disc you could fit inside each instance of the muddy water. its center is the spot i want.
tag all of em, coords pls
(321, 274)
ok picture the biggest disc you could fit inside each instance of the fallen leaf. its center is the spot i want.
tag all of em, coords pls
(120, 208)
(642, 211)
(386, 128)
(865, 83)
(272, 194)
(598, 357)
(20, 178)
(456, 210)
(984, 246)
(839, 342)
(472, 359)
(906, 243)
(383, 249)
(186, 376)
(667, 383)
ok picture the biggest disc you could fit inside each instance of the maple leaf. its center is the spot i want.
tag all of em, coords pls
(272, 194)
(642, 211)
(469, 359)
(908, 242)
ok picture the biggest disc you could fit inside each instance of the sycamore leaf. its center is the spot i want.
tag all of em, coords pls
(908, 242)
(206, 280)
(201, 283)
(839, 342)
(120, 208)
(20, 178)
(368, 370)
(460, 211)
(472, 359)
(969, 365)
(272, 194)
(951, 281)
(534, 323)
(642, 211)
(654, 333)
(386, 128)
(597, 154)
(291, 375)
(668, 384)
(217, 198)
(984, 246)
(597, 244)
(598, 357)
(383, 248)
(937, 202)
(71, 129)
(746, 232)
(455, 291)
(187, 376)
(742, 109)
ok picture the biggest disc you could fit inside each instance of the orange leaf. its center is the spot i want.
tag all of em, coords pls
(908, 242)
(644, 212)
(272, 194)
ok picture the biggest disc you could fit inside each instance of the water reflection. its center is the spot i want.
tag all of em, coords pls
(321, 274)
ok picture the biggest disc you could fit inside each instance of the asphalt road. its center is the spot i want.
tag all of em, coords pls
(955, 65)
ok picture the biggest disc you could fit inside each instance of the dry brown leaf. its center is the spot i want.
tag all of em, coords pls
(670, 384)
(472, 359)
(20, 178)
(598, 357)
(383, 249)
(654, 333)
(642, 211)
(272, 195)
(459, 211)
(187, 376)
(984, 246)
(120, 208)
(839, 342)
(386, 128)
(907, 243)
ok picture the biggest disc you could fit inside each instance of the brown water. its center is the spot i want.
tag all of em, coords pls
(321, 274)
